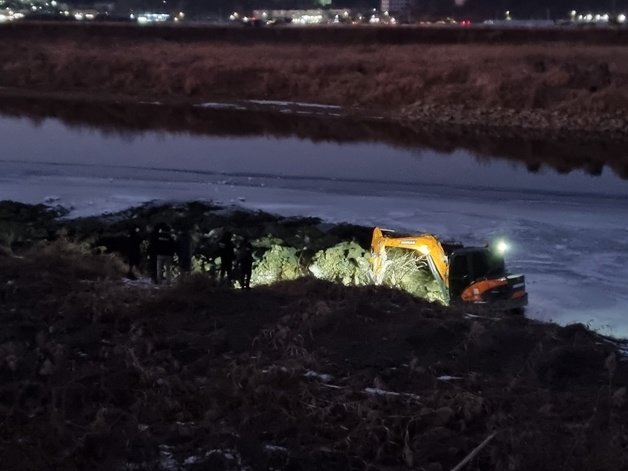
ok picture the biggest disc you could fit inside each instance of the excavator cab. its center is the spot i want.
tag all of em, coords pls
(473, 264)
(478, 275)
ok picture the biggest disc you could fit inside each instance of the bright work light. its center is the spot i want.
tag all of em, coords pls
(502, 246)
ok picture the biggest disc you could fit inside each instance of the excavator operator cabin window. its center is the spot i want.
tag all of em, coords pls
(459, 274)
(458, 267)
(496, 265)
(479, 262)
(487, 264)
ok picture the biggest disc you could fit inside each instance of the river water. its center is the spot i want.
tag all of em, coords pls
(568, 227)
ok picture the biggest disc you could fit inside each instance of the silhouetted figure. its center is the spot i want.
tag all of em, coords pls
(152, 255)
(163, 249)
(185, 250)
(244, 263)
(226, 254)
(134, 251)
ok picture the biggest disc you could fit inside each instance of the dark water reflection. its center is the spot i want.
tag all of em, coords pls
(563, 155)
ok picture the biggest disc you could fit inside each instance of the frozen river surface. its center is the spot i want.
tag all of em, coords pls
(569, 232)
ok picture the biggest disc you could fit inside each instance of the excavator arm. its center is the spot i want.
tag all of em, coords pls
(425, 244)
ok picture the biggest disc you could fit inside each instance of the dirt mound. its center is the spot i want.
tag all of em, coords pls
(101, 374)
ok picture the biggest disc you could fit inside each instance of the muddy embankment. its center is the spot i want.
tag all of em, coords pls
(97, 372)
(573, 82)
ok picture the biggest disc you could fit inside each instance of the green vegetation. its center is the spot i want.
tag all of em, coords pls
(346, 263)
(279, 263)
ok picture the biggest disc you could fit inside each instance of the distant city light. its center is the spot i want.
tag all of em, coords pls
(145, 18)
(308, 19)
(311, 16)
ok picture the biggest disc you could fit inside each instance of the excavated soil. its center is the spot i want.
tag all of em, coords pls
(97, 372)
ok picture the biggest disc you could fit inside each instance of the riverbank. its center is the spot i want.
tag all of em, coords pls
(519, 85)
(301, 374)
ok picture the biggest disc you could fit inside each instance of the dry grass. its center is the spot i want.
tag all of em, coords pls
(382, 76)
(95, 374)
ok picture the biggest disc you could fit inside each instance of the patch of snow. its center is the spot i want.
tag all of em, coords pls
(141, 282)
(294, 103)
(325, 378)
(380, 392)
(51, 199)
(449, 378)
(167, 461)
(275, 448)
(621, 345)
(230, 455)
(218, 106)
(274, 368)
(191, 460)
(383, 392)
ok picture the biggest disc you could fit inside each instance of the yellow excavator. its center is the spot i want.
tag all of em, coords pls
(465, 274)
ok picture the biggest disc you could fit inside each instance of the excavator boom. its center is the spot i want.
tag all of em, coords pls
(425, 245)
